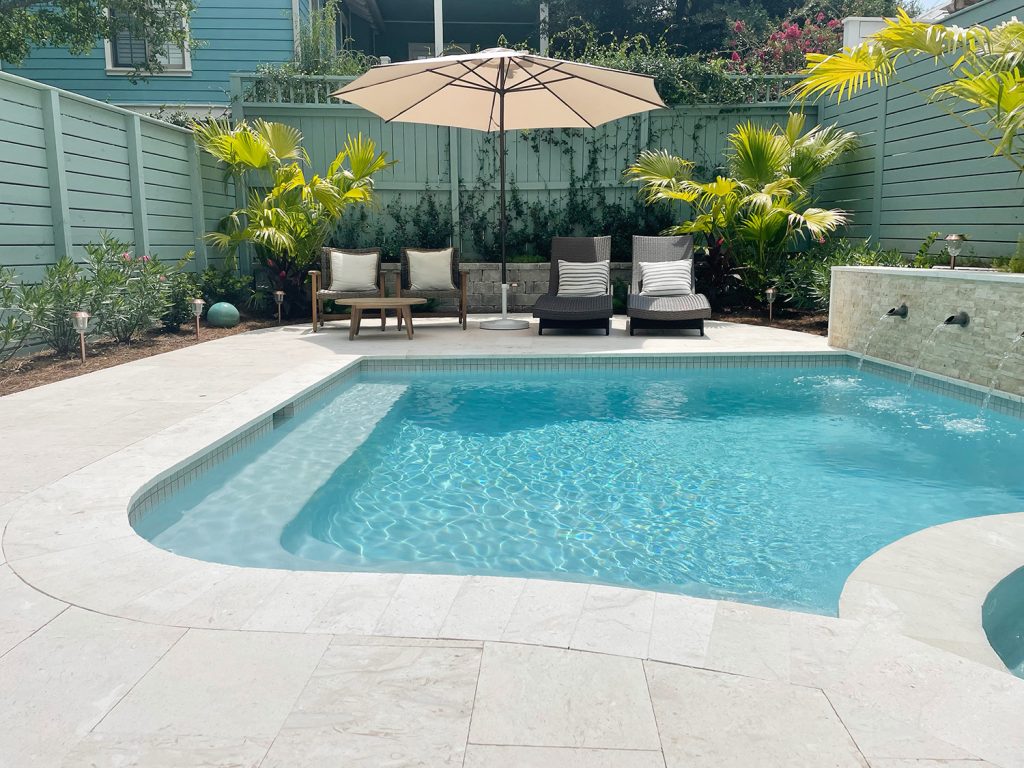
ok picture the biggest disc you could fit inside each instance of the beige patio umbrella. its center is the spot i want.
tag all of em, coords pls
(498, 90)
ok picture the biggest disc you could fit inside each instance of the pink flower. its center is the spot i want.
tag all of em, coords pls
(126, 256)
(282, 274)
(162, 278)
(270, 263)
(145, 257)
(793, 32)
(820, 17)
(738, 26)
(735, 56)
(833, 23)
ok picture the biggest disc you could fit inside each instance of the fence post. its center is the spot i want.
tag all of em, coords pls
(453, 181)
(198, 205)
(54, 136)
(137, 182)
(879, 165)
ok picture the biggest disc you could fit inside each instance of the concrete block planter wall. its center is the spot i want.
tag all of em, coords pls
(485, 284)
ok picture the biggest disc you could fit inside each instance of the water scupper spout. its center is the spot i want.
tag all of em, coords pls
(901, 311)
(960, 318)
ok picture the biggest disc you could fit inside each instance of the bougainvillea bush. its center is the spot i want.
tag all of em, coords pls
(783, 48)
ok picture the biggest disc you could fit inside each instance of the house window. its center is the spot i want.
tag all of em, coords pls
(129, 51)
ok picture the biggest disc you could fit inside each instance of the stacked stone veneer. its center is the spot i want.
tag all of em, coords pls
(485, 284)
(994, 301)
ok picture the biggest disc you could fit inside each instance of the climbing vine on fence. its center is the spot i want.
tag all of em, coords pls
(591, 201)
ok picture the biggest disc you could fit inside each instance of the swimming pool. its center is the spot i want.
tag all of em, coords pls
(761, 484)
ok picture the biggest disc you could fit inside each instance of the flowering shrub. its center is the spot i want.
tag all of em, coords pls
(63, 290)
(783, 47)
(129, 292)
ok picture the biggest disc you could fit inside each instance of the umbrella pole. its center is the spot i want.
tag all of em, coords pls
(505, 323)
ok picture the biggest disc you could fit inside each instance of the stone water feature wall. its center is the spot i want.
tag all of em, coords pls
(994, 301)
(485, 283)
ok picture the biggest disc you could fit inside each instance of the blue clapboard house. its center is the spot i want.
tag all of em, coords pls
(232, 36)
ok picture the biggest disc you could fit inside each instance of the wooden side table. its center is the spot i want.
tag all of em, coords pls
(401, 305)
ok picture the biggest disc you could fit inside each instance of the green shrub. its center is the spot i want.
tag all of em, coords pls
(226, 284)
(807, 281)
(15, 322)
(923, 259)
(129, 292)
(63, 290)
(182, 287)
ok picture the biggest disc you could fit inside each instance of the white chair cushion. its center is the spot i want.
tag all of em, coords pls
(666, 278)
(577, 278)
(353, 271)
(430, 270)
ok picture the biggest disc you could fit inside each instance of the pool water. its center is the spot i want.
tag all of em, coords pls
(765, 485)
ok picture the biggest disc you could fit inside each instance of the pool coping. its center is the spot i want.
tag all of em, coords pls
(72, 540)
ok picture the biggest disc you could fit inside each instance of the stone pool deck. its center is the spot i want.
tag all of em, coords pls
(115, 653)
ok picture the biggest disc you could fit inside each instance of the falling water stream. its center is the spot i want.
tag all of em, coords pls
(924, 349)
(871, 336)
(999, 369)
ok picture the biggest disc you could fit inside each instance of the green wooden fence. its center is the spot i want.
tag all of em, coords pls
(542, 165)
(919, 170)
(71, 167)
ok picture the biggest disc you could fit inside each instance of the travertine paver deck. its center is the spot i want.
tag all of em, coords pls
(132, 656)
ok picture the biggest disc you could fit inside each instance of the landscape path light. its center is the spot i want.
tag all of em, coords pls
(80, 320)
(954, 244)
(279, 300)
(770, 295)
(197, 310)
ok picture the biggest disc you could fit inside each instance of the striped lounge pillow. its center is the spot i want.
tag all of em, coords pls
(577, 278)
(666, 278)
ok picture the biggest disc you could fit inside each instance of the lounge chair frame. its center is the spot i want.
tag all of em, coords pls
(692, 310)
(575, 312)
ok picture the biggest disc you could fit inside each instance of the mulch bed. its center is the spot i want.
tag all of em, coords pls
(47, 367)
(789, 319)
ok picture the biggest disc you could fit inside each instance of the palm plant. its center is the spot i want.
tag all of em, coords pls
(764, 207)
(287, 217)
(984, 67)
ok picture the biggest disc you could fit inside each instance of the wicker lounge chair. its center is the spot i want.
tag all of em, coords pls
(460, 280)
(678, 312)
(554, 311)
(324, 278)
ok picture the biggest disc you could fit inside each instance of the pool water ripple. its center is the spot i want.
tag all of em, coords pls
(765, 485)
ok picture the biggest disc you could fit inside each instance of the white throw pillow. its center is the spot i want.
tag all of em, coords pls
(430, 270)
(666, 278)
(352, 272)
(576, 278)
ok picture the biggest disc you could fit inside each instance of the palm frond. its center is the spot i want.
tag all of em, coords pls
(757, 154)
(818, 221)
(283, 142)
(846, 73)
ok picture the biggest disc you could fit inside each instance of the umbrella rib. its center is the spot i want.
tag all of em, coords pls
(428, 70)
(575, 76)
(567, 104)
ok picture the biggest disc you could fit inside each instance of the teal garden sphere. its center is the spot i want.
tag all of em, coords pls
(222, 315)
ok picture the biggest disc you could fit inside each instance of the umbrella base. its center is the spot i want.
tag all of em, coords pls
(505, 324)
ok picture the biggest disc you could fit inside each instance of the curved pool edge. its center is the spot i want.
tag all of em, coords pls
(932, 585)
(73, 541)
(916, 586)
